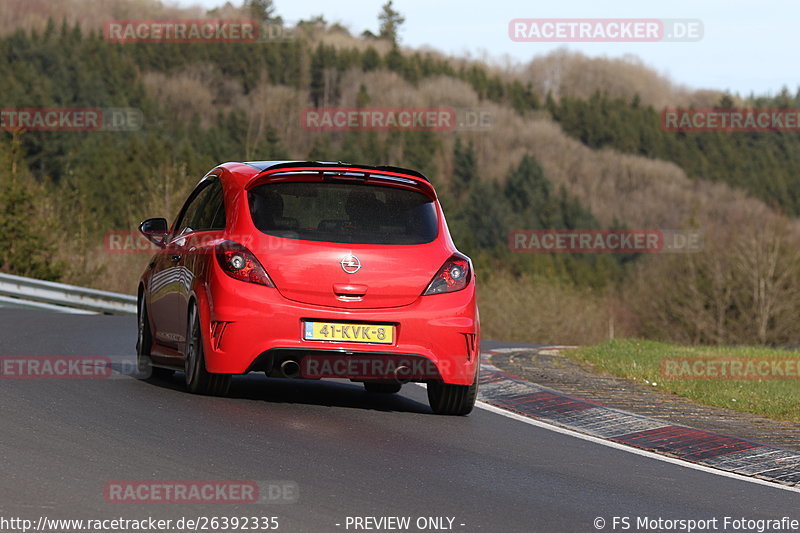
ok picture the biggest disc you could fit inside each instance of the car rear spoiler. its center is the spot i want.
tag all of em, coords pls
(315, 170)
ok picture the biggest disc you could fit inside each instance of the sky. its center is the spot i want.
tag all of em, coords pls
(745, 48)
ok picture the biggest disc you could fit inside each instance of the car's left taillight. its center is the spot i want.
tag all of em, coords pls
(453, 276)
(239, 263)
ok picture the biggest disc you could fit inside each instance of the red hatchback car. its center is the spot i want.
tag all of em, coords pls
(312, 270)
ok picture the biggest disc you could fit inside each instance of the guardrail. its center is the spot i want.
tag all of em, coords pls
(50, 294)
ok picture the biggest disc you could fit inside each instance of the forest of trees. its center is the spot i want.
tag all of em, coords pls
(764, 164)
(60, 192)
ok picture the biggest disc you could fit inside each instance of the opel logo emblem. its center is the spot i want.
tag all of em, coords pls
(350, 264)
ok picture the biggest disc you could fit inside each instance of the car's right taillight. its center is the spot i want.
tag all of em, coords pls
(453, 276)
(238, 262)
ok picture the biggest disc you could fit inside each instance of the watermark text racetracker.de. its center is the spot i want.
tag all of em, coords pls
(382, 366)
(728, 524)
(395, 119)
(133, 242)
(201, 492)
(731, 120)
(604, 241)
(577, 30)
(71, 119)
(730, 368)
(69, 367)
(164, 31)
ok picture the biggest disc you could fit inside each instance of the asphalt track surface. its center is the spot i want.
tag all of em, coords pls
(350, 453)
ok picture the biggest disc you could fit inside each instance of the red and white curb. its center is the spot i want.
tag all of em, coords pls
(731, 454)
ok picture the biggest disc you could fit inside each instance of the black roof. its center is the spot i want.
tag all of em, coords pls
(261, 166)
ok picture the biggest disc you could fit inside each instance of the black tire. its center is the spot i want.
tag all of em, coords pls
(198, 379)
(382, 388)
(144, 341)
(454, 400)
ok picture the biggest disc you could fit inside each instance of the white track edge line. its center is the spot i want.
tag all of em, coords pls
(631, 449)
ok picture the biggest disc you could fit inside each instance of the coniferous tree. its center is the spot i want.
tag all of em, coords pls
(465, 168)
(263, 11)
(390, 22)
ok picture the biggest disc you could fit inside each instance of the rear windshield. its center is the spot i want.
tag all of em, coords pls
(343, 212)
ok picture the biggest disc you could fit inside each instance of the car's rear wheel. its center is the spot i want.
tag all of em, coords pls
(456, 400)
(198, 379)
(144, 343)
(382, 388)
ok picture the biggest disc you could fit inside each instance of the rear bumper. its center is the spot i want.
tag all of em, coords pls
(244, 323)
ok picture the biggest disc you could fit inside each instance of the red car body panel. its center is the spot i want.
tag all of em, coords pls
(242, 322)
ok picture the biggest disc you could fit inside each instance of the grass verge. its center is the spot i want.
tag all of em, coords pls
(665, 367)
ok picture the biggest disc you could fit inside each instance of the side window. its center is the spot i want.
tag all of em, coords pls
(219, 217)
(211, 213)
(187, 220)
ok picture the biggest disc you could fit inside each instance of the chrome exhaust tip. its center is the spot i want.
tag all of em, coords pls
(399, 372)
(290, 368)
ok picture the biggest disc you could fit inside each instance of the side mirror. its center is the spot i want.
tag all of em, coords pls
(155, 230)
